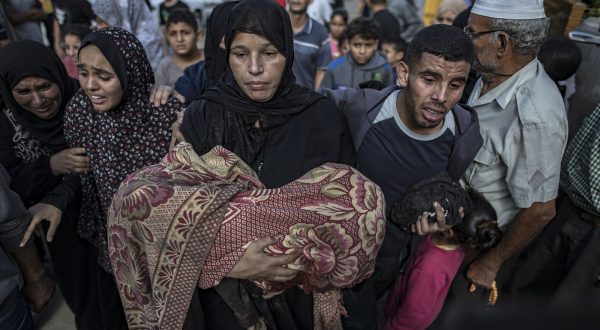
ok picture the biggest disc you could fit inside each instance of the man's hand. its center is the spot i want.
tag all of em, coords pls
(38, 213)
(423, 227)
(256, 265)
(38, 293)
(159, 95)
(37, 288)
(70, 160)
(482, 271)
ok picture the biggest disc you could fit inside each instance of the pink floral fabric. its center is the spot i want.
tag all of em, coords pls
(186, 221)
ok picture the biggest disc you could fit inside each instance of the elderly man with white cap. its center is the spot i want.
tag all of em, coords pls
(523, 124)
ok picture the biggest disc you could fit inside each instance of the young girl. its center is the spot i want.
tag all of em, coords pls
(418, 295)
(71, 40)
(337, 25)
(112, 118)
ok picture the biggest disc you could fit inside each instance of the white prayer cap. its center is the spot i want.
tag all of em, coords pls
(510, 9)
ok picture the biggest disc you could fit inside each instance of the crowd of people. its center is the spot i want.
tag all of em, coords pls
(284, 166)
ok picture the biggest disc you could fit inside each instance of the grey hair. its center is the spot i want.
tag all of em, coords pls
(527, 35)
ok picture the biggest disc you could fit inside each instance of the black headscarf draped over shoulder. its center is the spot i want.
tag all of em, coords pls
(25, 58)
(269, 20)
(215, 56)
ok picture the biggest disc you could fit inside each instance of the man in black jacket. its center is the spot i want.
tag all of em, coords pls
(405, 135)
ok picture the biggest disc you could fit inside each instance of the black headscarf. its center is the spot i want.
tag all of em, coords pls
(215, 56)
(26, 58)
(269, 20)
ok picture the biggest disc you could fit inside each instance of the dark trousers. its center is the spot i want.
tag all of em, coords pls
(565, 264)
(291, 310)
(19, 316)
(89, 291)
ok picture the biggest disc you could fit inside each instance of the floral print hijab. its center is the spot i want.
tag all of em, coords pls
(119, 141)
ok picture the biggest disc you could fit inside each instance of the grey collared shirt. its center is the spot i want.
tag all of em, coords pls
(524, 128)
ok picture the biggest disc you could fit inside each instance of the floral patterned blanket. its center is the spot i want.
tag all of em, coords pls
(186, 221)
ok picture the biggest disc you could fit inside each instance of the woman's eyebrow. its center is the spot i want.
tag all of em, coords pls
(100, 70)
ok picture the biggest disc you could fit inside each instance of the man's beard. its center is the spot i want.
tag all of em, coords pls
(488, 68)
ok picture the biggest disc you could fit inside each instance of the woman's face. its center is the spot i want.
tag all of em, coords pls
(72, 44)
(38, 96)
(337, 26)
(98, 79)
(256, 64)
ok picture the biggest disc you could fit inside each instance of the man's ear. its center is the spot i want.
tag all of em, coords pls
(503, 44)
(402, 71)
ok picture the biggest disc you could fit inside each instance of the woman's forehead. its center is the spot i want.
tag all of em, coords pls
(32, 80)
(250, 40)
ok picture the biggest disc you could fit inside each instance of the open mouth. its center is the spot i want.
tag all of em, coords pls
(433, 115)
(97, 99)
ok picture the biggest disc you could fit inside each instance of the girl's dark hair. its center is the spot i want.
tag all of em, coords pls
(79, 30)
(340, 12)
(478, 230)
(561, 58)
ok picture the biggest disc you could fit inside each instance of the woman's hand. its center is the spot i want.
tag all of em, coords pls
(176, 135)
(70, 160)
(256, 265)
(39, 212)
(159, 95)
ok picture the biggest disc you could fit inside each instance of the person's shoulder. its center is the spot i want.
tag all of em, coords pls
(336, 63)
(195, 113)
(380, 61)
(195, 69)
(328, 116)
(164, 63)
(196, 107)
(539, 101)
(6, 122)
(323, 107)
(319, 30)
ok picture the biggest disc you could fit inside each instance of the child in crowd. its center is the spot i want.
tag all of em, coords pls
(561, 58)
(343, 43)
(363, 62)
(418, 295)
(71, 40)
(182, 35)
(394, 51)
(337, 26)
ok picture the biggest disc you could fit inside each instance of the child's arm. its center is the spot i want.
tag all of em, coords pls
(425, 295)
